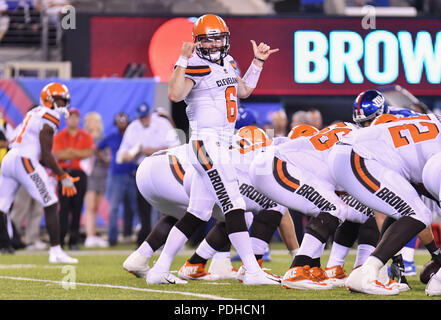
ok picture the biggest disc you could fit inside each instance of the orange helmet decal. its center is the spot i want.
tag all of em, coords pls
(51, 90)
(384, 118)
(302, 130)
(253, 138)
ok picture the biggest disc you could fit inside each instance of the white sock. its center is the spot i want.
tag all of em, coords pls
(145, 249)
(175, 242)
(338, 255)
(408, 254)
(376, 263)
(363, 253)
(205, 251)
(55, 249)
(221, 255)
(311, 246)
(259, 246)
(242, 243)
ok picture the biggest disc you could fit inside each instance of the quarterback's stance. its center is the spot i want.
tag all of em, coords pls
(209, 83)
(21, 165)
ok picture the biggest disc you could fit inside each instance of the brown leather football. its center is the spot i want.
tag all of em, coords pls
(429, 269)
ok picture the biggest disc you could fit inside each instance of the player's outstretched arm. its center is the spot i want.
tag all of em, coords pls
(46, 140)
(67, 182)
(179, 87)
(251, 77)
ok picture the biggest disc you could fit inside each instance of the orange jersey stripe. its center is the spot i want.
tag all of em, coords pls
(177, 168)
(282, 176)
(52, 119)
(27, 165)
(202, 157)
(363, 175)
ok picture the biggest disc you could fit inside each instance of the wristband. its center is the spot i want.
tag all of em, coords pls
(258, 59)
(252, 75)
(63, 176)
(182, 62)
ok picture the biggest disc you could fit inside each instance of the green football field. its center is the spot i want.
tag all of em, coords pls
(100, 276)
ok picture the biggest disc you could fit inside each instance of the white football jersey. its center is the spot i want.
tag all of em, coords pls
(404, 145)
(212, 103)
(311, 153)
(27, 134)
(254, 200)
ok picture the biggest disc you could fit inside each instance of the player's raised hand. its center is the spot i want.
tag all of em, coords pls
(262, 51)
(187, 49)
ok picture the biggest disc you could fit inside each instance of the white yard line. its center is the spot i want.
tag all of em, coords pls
(197, 295)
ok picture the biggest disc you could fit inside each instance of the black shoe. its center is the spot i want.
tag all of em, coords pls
(74, 247)
(7, 250)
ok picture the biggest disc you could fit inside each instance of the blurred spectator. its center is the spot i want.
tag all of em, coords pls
(314, 118)
(71, 145)
(96, 169)
(4, 19)
(6, 136)
(299, 117)
(280, 123)
(53, 8)
(149, 133)
(121, 185)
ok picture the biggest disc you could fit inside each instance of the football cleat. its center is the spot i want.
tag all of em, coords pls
(260, 278)
(162, 278)
(433, 287)
(300, 278)
(364, 280)
(337, 275)
(222, 269)
(319, 275)
(195, 272)
(61, 257)
(137, 264)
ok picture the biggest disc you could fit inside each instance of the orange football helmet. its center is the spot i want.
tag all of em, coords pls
(211, 28)
(252, 138)
(384, 118)
(52, 90)
(302, 130)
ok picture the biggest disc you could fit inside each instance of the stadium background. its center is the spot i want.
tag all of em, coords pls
(117, 53)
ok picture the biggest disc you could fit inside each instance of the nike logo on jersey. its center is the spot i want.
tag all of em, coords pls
(316, 198)
(226, 82)
(219, 188)
(395, 201)
(251, 193)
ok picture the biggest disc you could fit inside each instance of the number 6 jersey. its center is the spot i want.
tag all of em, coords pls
(212, 103)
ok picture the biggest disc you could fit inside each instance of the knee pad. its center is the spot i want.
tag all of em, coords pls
(217, 238)
(347, 233)
(265, 224)
(369, 232)
(235, 221)
(188, 224)
(322, 226)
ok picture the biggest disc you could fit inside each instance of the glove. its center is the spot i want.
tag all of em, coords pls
(67, 184)
(397, 270)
